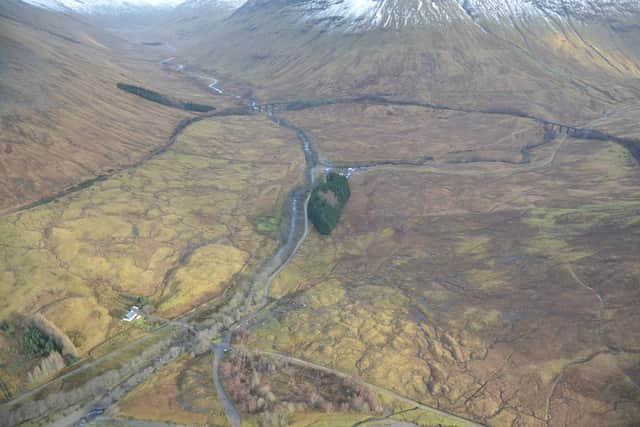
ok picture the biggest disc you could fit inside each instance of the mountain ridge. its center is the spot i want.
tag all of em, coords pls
(353, 15)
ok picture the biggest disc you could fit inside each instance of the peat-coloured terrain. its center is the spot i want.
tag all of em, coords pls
(401, 213)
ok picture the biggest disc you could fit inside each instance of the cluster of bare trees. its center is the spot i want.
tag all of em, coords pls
(245, 386)
(278, 417)
(47, 367)
(259, 385)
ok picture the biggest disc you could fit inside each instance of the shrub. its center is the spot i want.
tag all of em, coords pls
(276, 418)
(70, 359)
(266, 224)
(7, 327)
(77, 338)
(141, 301)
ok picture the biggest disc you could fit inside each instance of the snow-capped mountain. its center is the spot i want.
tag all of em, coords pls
(227, 4)
(104, 6)
(563, 59)
(363, 14)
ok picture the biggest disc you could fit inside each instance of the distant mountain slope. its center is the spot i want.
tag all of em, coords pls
(62, 120)
(104, 6)
(568, 60)
(367, 14)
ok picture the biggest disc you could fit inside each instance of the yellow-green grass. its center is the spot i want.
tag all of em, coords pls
(202, 277)
(550, 370)
(473, 245)
(175, 230)
(319, 419)
(424, 418)
(416, 416)
(180, 393)
(551, 220)
(121, 358)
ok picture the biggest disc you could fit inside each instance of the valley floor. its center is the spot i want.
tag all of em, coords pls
(484, 272)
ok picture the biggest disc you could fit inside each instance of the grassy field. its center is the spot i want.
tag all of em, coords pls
(181, 393)
(176, 230)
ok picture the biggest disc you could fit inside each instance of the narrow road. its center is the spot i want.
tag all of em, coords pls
(229, 408)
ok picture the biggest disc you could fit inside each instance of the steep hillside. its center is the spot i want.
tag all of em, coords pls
(566, 60)
(62, 119)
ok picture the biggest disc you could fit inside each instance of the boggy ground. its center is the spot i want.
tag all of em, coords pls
(504, 293)
(354, 134)
(176, 230)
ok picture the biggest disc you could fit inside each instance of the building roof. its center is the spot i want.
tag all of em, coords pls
(131, 315)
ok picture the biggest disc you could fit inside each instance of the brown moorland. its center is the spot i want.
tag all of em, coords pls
(504, 293)
(62, 119)
(356, 134)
